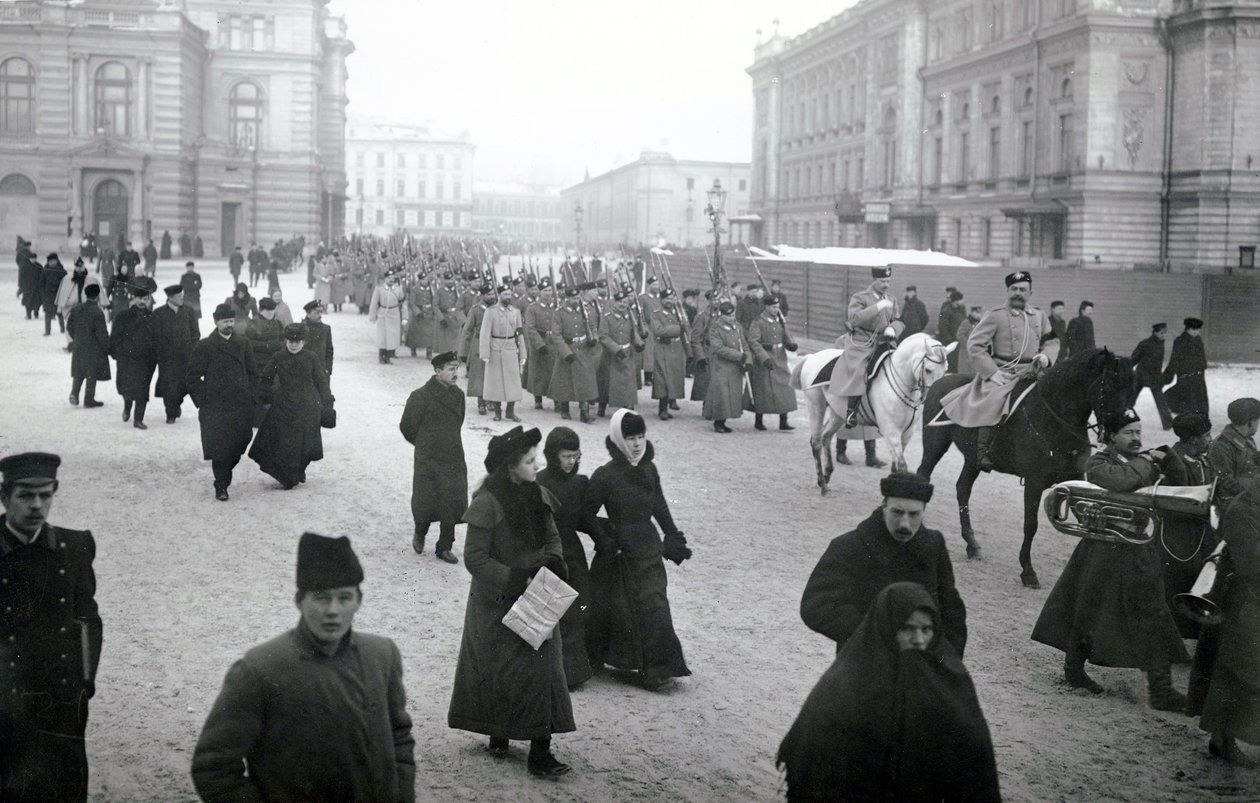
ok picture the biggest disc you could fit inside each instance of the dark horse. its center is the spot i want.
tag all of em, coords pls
(1045, 441)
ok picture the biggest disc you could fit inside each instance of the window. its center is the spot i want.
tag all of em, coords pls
(1065, 89)
(986, 229)
(938, 160)
(743, 185)
(17, 96)
(245, 115)
(1066, 132)
(1028, 97)
(420, 190)
(995, 105)
(964, 30)
(250, 33)
(441, 163)
(890, 163)
(380, 217)
(380, 160)
(964, 157)
(358, 187)
(458, 191)
(402, 160)
(845, 173)
(995, 152)
(113, 99)
(997, 26)
(360, 159)
(401, 189)
(380, 187)
(1026, 150)
(861, 172)
(400, 218)
(440, 190)
(938, 42)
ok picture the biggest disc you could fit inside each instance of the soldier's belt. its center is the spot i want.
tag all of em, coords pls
(1012, 360)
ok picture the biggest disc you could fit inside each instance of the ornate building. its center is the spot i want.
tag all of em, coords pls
(518, 212)
(128, 118)
(1026, 131)
(656, 197)
(406, 178)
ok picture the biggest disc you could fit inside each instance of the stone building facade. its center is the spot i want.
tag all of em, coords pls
(130, 118)
(1021, 131)
(517, 212)
(405, 178)
(656, 197)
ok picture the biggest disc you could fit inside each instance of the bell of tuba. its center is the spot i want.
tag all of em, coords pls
(1203, 601)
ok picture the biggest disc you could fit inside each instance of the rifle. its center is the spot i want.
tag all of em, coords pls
(571, 280)
(787, 339)
(636, 309)
(668, 279)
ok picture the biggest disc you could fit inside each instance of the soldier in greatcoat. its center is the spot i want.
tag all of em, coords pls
(318, 335)
(50, 638)
(541, 359)
(577, 357)
(175, 332)
(447, 315)
(769, 341)
(223, 384)
(669, 355)
(386, 309)
(470, 348)
(649, 303)
(89, 346)
(500, 347)
(729, 358)
(131, 345)
(621, 345)
(873, 318)
(431, 422)
(700, 367)
(420, 325)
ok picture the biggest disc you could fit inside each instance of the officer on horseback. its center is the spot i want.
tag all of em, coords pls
(874, 326)
(1008, 343)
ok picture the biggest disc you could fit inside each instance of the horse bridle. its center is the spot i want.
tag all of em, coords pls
(1068, 427)
(914, 396)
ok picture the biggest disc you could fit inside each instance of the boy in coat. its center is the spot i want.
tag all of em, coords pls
(431, 422)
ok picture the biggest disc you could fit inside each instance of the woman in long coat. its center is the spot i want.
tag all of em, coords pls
(564, 456)
(728, 357)
(895, 718)
(386, 310)
(630, 626)
(504, 688)
(289, 438)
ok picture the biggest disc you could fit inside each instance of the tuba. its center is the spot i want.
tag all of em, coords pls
(1204, 601)
(1136, 517)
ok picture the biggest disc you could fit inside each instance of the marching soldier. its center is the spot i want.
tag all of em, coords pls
(573, 377)
(729, 357)
(873, 319)
(770, 342)
(670, 355)
(1008, 342)
(520, 296)
(500, 342)
(448, 316)
(649, 303)
(700, 367)
(540, 362)
(621, 348)
(50, 638)
(386, 309)
(470, 349)
(420, 327)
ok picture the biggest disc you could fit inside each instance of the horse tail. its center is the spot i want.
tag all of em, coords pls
(796, 374)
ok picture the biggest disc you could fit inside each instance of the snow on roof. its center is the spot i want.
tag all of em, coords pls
(864, 257)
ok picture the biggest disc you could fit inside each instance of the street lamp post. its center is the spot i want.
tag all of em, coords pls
(715, 209)
(577, 225)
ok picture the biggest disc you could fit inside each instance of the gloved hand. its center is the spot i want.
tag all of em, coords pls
(767, 363)
(621, 354)
(569, 358)
(666, 340)
(543, 351)
(884, 304)
(639, 347)
(701, 362)
(889, 331)
(1159, 454)
(518, 581)
(444, 322)
(675, 548)
(558, 567)
(1002, 378)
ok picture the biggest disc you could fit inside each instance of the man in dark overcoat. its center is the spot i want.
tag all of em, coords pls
(131, 345)
(621, 346)
(318, 335)
(89, 347)
(29, 271)
(431, 422)
(1080, 331)
(50, 638)
(235, 262)
(1057, 324)
(914, 313)
(175, 332)
(1188, 363)
(770, 342)
(573, 376)
(668, 326)
(190, 280)
(223, 384)
(890, 546)
(49, 283)
(541, 359)
(150, 259)
(318, 713)
(1233, 454)
(1148, 372)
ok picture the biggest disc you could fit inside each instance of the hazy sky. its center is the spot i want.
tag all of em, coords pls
(550, 89)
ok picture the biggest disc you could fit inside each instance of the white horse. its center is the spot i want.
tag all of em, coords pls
(892, 400)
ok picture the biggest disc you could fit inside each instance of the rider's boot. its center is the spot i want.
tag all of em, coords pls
(851, 417)
(984, 440)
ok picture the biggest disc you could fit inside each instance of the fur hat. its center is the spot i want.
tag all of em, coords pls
(324, 562)
(905, 485)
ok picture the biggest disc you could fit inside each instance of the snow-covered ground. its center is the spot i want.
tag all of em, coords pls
(187, 584)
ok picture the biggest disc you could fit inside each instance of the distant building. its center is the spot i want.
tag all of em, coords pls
(517, 212)
(652, 198)
(1023, 131)
(209, 118)
(407, 178)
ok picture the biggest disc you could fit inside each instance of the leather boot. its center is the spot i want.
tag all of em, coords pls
(602, 411)
(538, 402)
(498, 411)
(721, 427)
(758, 423)
(984, 442)
(662, 410)
(841, 453)
(481, 406)
(1074, 671)
(584, 413)
(564, 411)
(126, 409)
(511, 412)
(872, 459)
(1163, 696)
(783, 424)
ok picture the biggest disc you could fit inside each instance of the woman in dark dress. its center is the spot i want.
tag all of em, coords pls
(895, 718)
(630, 626)
(289, 438)
(561, 477)
(504, 688)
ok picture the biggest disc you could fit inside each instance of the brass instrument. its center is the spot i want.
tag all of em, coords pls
(1085, 510)
(1202, 602)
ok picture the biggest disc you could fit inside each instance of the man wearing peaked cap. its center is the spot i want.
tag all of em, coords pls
(1008, 342)
(132, 346)
(1188, 365)
(50, 638)
(318, 334)
(321, 689)
(574, 339)
(1148, 369)
(499, 344)
(470, 347)
(175, 332)
(431, 422)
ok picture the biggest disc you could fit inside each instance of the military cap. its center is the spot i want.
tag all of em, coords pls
(504, 288)
(190, 264)
(486, 289)
(954, 295)
(622, 293)
(324, 563)
(571, 291)
(911, 288)
(531, 281)
(1190, 425)
(310, 305)
(295, 332)
(517, 280)
(906, 485)
(443, 359)
(223, 312)
(881, 272)
(691, 292)
(1159, 327)
(1193, 323)
(1243, 411)
(1114, 422)
(30, 468)
(666, 293)
(173, 290)
(770, 301)
(447, 275)
(266, 303)
(544, 283)
(726, 308)
(1017, 277)
(651, 280)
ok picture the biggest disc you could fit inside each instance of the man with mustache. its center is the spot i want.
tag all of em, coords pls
(222, 381)
(1008, 343)
(890, 546)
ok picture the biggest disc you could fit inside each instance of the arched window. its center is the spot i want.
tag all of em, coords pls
(1065, 89)
(16, 184)
(995, 105)
(245, 115)
(1028, 96)
(113, 99)
(17, 96)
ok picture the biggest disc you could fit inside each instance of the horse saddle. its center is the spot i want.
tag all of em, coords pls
(883, 349)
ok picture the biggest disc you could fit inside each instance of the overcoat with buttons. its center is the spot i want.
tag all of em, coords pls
(573, 381)
(540, 359)
(670, 354)
(616, 335)
(864, 324)
(771, 387)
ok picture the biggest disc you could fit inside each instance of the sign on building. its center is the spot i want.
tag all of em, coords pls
(876, 211)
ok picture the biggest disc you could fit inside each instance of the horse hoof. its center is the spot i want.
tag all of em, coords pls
(973, 553)
(1029, 579)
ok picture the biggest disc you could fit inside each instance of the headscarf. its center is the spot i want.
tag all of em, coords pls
(618, 437)
(887, 724)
